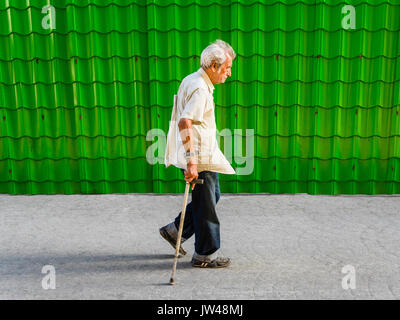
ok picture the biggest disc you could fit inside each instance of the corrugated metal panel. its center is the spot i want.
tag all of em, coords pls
(77, 102)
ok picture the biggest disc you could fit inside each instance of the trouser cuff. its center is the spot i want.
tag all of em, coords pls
(205, 257)
(173, 231)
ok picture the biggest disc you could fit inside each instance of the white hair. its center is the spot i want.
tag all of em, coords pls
(217, 52)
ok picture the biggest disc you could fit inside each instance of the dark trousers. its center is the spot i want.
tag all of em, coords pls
(201, 217)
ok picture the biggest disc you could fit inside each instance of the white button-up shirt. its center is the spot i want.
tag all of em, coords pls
(195, 101)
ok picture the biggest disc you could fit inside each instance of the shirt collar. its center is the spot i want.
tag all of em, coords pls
(207, 80)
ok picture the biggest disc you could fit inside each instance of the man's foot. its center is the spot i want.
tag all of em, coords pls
(207, 263)
(172, 241)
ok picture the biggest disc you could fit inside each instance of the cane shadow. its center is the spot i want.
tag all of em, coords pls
(13, 265)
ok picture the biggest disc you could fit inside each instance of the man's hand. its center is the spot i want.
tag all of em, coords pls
(191, 173)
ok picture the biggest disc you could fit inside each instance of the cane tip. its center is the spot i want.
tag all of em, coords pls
(171, 281)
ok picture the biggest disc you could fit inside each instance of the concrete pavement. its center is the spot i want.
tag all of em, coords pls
(281, 246)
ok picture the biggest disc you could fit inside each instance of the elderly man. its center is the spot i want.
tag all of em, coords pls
(192, 147)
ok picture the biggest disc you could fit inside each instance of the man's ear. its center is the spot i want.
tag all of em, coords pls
(214, 66)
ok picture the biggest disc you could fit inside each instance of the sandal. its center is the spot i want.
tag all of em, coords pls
(164, 233)
(216, 263)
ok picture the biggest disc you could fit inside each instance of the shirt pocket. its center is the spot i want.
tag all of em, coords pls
(210, 105)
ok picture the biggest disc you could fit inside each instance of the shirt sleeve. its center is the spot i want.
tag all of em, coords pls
(196, 105)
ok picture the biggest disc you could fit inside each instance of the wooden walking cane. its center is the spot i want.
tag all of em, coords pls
(178, 240)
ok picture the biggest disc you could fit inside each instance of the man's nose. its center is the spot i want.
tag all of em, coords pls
(229, 73)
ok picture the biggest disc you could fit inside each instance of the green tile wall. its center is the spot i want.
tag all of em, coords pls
(76, 102)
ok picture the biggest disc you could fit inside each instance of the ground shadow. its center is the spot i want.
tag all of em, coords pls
(87, 263)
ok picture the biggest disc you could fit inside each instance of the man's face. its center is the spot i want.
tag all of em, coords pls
(219, 75)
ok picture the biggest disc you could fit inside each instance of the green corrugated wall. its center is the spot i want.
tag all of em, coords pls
(77, 101)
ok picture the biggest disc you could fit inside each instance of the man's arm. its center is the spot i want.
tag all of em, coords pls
(186, 132)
